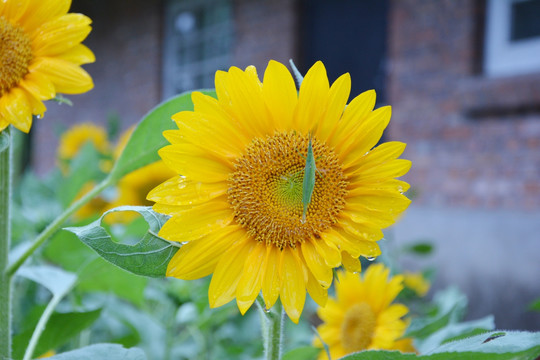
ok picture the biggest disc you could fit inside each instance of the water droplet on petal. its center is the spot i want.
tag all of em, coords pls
(371, 258)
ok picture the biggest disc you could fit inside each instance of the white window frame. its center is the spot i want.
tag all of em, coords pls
(504, 57)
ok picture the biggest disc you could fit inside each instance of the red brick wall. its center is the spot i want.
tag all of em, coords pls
(474, 141)
(264, 30)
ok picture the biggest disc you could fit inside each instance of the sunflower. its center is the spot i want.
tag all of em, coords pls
(78, 135)
(238, 205)
(40, 55)
(361, 316)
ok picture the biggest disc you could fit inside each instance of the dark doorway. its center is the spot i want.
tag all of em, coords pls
(348, 36)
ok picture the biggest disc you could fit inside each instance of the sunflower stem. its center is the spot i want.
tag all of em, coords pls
(57, 223)
(272, 321)
(6, 166)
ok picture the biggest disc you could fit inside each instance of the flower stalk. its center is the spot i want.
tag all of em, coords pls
(6, 156)
(272, 329)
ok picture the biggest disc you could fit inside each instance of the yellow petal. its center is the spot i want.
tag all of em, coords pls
(329, 252)
(41, 11)
(353, 243)
(293, 288)
(280, 95)
(197, 166)
(248, 103)
(316, 264)
(37, 106)
(338, 97)
(61, 34)
(67, 77)
(13, 9)
(379, 155)
(38, 85)
(365, 136)
(78, 55)
(313, 97)
(358, 109)
(228, 272)
(388, 170)
(198, 258)
(391, 203)
(15, 108)
(270, 281)
(317, 292)
(181, 191)
(350, 263)
(249, 285)
(193, 223)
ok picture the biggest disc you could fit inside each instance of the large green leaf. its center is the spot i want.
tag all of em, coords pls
(302, 353)
(147, 137)
(56, 280)
(149, 257)
(95, 274)
(102, 351)
(61, 327)
(501, 345)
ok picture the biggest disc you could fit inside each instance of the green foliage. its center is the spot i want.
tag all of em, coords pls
(141, 148)
(535, 305)
(420, 248)
(102, 351)
(302, 353)
(149, 257)
(61, 328)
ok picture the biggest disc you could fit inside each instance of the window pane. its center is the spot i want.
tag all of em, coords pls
(525, 20)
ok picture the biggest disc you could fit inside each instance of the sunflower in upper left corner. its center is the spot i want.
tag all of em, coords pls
(40, 56)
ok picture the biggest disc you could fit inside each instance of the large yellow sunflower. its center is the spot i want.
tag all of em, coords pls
(361, 317)
(238, 204)
(40, 55)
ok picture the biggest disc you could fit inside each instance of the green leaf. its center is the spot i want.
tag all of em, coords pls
(302, 353)
(102, 351)
(147, 138)
(149, 257)
(95, 274)
(496, 345)
(4, 140)
(454, 330)
(420, 248)
(451, 305)
(535, 305)
(61, 327)
(58, 281)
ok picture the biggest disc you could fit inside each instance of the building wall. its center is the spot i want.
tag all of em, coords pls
(264, 30)
(474, 141)
(475, 147)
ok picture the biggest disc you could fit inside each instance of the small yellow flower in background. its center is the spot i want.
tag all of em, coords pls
(416, 282)
(361, 317)
(133, 188)
(95, 206)
(238, 204)
(40, 56)
(48, 354)
(78, 135)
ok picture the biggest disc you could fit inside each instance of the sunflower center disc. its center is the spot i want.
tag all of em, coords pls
(357, 327)
(265, 190)
(15, 55)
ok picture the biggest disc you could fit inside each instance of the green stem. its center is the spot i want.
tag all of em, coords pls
(57, 223)
(6, 156)
(41, 326)
(272, 329)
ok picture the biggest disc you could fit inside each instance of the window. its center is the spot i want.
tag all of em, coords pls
(512, 37)
(197, 42)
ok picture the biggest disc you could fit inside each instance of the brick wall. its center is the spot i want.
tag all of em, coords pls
(474, 142)
(264, 30)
